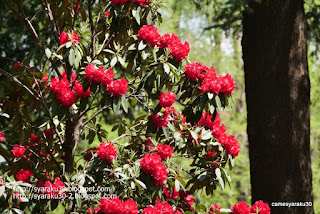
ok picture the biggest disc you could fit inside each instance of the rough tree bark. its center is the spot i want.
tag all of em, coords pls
(278, 100)
(71, 140)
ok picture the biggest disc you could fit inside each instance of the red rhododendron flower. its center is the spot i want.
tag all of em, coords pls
(95, 210)
(194, 70)
(116, 206)
(173, 193)
(177, 49)
(18, 151)
(150, 210)
(129, 207)
(107, 152)
(166, 99)
(66, 97)
(2, 138)
(24, 175)
(240, 208)
(107, 13)
(227, 84)
(164, 151)
(187, 198)
(214, 207)
(164, 207)
(48, 133)
(45, 78)
(108, 77)
(78, 88)
(149, 146)
(142, 2)
(260, 207)
(118, 87)
(230, 144)
(119, 2)
(151, 164)
(68, 37)
(210, 154)
(34, 139)
(94, 74)
(149, 34)
(53, 190)
(160, 121)
(210, 82)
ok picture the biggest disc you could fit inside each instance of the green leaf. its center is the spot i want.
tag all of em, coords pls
(68, 44)
(114, 61)
(218, 172)
(166, 68)
(48, 52)
(141, 183)
(124, 103)
(116, 105)
(177, 185)
(165, 132)
(71, 57)
(141, 46)
(136, 15)
(133, 102)
(194, 135)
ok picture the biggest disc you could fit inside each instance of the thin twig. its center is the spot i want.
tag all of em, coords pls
(96, 114)
(54, 24)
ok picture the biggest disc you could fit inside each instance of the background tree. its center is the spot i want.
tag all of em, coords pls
(277, 83)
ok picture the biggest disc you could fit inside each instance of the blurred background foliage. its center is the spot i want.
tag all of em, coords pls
(213, 30)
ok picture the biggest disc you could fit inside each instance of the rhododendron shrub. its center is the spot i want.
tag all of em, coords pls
(109, 77)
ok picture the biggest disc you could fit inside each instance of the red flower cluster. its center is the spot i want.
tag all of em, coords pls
(230, 144)
(260, 207)
(240, 208)
(119, 2)
(2, 138)
(159, 208)
(167, 99)
(150, 35)
(164, 151)
(151, 164)
(118, 87)
(210, 154)
(98, 75)
(68, 37)
(95, 210)
(24, 175)
(117, 206)
(193, 71)
(177, 49)
(54, 189)
(173, 193)
(142, 2)
(209, 79)
(48, 133)
(149, 146)
(160, 121)
(214, 208)
(34, 139)
(107, 152)
(123, 2)
(18, 151)
(64, 94)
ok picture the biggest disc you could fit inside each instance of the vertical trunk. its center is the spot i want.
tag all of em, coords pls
(278, 101)
(71, 140)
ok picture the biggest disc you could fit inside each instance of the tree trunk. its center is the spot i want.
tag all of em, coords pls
(71, 141)
(278, 101)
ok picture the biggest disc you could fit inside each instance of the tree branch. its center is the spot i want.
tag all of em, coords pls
(54, 24)
(92, 48)
(15, 80)
(96, 114)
